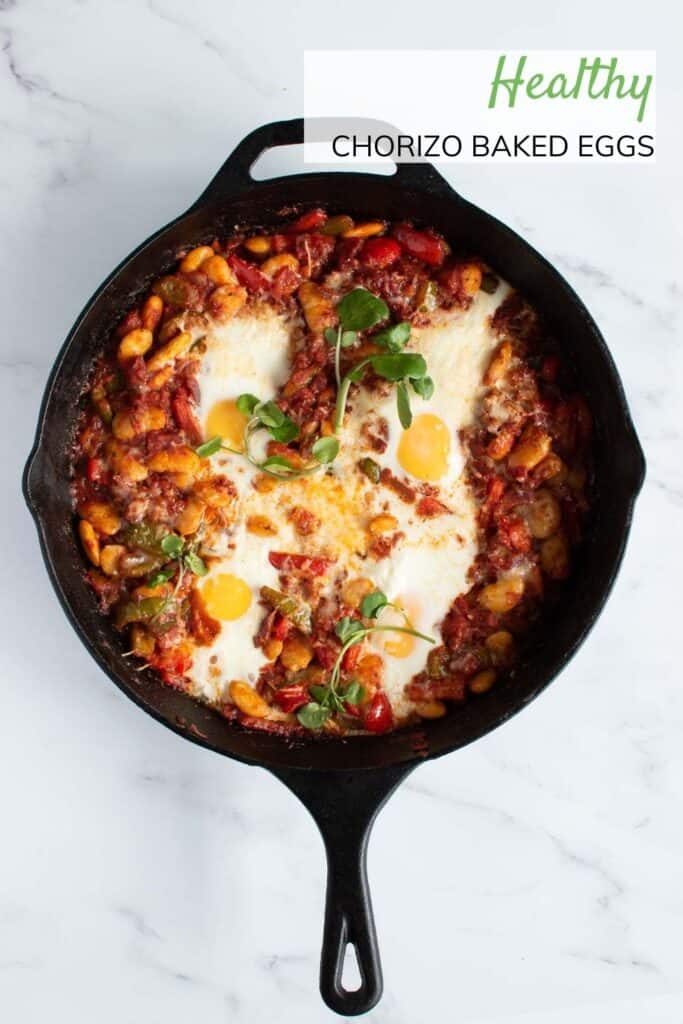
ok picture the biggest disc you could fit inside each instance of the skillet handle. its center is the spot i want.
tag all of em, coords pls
(235, 174)
(344, 806)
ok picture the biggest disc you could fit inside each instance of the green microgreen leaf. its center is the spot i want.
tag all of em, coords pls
(246, 404)
(398, 366)
(361, 309)
(325, 450)
(354, 693)
(423, 386)
(172, 545)
(352, 377)
(277, 461)
(209, 447)
(356, 374)
(195, 564)
(327, 697)
(403, 404)
(285, 432)
(313, 716)
(270, 414)
(320, 694)
(347, 628)
(372, 604)
(340, 339)
(351, 632)
(163, 576)
(393, 338)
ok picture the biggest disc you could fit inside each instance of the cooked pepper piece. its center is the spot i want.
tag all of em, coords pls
(371, 469)
(379, 717)
(138, 611)
(249, 275)
(147, 536)
(291, 698)
(337, 225)
(311, 565)
(379, 253)
(423, 245)
(288, 606)
(311, 221)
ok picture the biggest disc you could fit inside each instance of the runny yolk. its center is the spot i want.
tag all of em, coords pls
(398, 645)
(226, 596)
(424, 447)
(226, 421)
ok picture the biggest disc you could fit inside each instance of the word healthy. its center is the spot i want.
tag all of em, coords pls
(596, 79)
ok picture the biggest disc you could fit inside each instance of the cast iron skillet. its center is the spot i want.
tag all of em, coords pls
(342, 783)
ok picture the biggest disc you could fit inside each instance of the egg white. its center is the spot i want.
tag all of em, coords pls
(250, 354)
(233, 654)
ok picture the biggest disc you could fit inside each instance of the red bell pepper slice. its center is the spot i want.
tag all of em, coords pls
(379, 716)
(350, 659)
(94, 470)
(249, 275)
(291, 698)
(280, 627)
(309, 565)
(378, 253)
(428, 507)
(310, 221)
(423, 245)
(184, 416)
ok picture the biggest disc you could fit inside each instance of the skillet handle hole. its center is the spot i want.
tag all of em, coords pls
(351, 979)
(283, 160)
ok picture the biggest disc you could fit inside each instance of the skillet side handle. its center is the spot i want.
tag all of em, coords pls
(344, 806)
(234, 176)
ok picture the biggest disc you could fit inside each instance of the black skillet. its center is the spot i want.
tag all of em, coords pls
(343, 784)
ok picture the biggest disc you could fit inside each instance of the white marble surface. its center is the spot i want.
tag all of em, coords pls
(536, 876)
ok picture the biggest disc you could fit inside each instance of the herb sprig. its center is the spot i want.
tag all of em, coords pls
(270, 417)
(331, 698)
(183, 555)
(358, 311)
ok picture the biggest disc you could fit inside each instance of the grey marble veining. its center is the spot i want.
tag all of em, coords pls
(534, 877)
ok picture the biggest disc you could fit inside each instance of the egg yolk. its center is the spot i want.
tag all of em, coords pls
(424, 447)
(398, 645)
(226, 421)
(226, 596)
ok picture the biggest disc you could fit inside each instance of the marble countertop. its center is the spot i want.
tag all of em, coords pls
(536, 876)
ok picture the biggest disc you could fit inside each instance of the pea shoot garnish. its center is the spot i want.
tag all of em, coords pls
(269, 416)
(358, 311)
(332, 697)
(184, 556)
(210, 447)
(180, 556)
